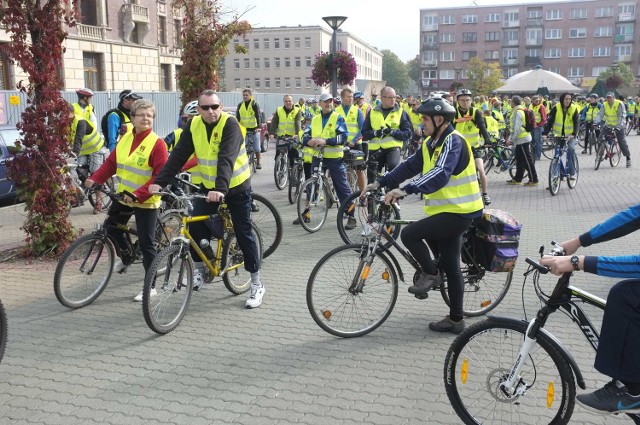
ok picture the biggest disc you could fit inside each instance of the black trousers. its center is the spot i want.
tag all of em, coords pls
(443, 234)
(146, 220)
(524, 161)
(587, 140)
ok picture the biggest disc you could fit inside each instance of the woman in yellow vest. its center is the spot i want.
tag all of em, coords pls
(137, 159)
(563, 120)
(447, 181)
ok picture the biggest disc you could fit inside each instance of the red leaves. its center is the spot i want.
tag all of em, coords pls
(324, 65)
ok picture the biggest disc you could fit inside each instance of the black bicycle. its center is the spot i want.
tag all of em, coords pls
(281, 161)
(251, 153)
(3, 330)
(503, 370)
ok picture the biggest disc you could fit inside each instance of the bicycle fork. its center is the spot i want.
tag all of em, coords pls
(513, 387)
(364, 267)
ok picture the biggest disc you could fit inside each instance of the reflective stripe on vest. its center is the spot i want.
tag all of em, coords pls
(133, 169)
(461, 194)
(91, 142)
(351, 119)
(492, 125)
(378, 121)
(286, 122)
(464, 125)
(611, 113)
(247, 115)
(568, 120)
(327, 132)
(207, 153)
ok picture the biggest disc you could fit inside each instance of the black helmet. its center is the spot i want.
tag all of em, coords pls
(437, 106)
(463, 92)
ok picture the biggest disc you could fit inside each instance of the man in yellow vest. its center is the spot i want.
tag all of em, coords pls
(613, 114)
(521, 139)
(286, 122)
(540, 112)
(248, 115)
(84, 107)
(313, 108)
(355, 119)
(588, 115)
(117, 121)
(222, 174)
(452, 199)
(358, 98)
(563, 120)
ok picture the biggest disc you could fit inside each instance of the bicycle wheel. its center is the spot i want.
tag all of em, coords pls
(582, 132)
(281, 170)
(512, 168)
(483, 290)
(170, 224)
(101, 198)
(600, 153)
(629, 126)
(352, 179)
(268, 220)
(3, 330)
(164, 310)
(252, 161)
(344, 312)
(488, 159)
(295, 181)
(313, 204)
(572, 183)
(365, 211)
(614, 157)
(84, 270)
(554, 176)
(480, 359)
(236, 279)
(548, 148)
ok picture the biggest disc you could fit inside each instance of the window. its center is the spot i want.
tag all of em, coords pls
(245, 41)
(277, 82)
(626, 9)
(430, 20)
(533, 36)
(492, 17)
(267, 63)
(256, 83)
(287, 43)
(492, 36)
(308, 63)
(287, 83)
(469, 19)
(469, 37)
(603, 32)
(93, 70)
(534, 14)
(447, 74)
(604, 12)
(448, 56)
(578, 33)
(553, 14)
(307, 42)
(447, 37)
(247, 63)
(256, 63)
(237, 83)
(510, 53)
(511, 16)
(276, 43)
(604, 51)
(298, 82)
(491, 54)
(447, 20)
(276, 61)
(509, 72)
(622, 53)
(552, 53)
(247, 82)
(287, 62)
(576, 52)
(430, 58)
(512, 35)
(624, 30)
(177, 33)
(578, 13)
(532, 53)
(597, 70)
(468, 55)
(236, 63)
(162, 30)
(265, 43)
(553, 34)
(307, 83)
(267, 83)
(88, 12)
(576, 71)
(296, 42)
(430, 74)
(165, 77)
(298, 61)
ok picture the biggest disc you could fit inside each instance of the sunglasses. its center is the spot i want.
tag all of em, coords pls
(207, 107)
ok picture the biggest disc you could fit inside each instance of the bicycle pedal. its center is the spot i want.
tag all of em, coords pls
(422, 296)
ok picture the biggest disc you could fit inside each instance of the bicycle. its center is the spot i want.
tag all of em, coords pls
(352, 289)
(3, 330)
(581, 133)
(296, 178)
(78, 174)
(607, 147)
(558, 170)
(505, 370)
(281, 162)
(502, 155)
(85, 268)
(632, 124)
(171, 273)
(251, 154)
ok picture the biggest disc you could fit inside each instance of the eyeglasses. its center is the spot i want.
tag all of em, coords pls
(149, 116)
(207, 107)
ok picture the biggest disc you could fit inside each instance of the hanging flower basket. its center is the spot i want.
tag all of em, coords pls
(342, 61)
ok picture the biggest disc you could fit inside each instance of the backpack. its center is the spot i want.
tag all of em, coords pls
(496, 239)
(530, 120)
(105, 117)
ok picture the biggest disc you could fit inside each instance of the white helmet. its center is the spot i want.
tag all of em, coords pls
(191, 108)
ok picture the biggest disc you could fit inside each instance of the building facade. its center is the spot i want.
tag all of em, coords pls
(577, 40)
(280, 59)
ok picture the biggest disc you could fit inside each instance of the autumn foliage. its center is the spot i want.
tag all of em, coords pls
(37, 34)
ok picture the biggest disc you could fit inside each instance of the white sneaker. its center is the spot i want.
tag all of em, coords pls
(255, 296)
(366, 230)
(138, 298)
(198, 280)
(119, 266)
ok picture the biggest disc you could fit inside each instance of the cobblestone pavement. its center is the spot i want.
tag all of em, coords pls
(226, 364)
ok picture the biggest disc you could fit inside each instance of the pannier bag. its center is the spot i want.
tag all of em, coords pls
(354, 158)
(496, 239)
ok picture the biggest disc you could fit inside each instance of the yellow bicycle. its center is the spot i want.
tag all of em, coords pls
(168, 283)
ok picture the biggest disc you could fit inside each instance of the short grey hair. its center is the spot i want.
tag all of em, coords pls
(142, 104)
(516, 100)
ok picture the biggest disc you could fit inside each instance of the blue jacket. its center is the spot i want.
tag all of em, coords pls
(583, 113)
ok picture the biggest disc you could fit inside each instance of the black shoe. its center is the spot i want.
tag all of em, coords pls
(612, 398)
(628, 162)
(425, 283)
(447, 325)
(584, 152)
(254, 207)
(258, 166)
(306, 215)
(351, 223)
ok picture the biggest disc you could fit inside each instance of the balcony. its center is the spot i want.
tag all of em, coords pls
(430, 62)
(532, 60)
(626, 17)
(430, 45)
(426, 82)
(533, 42)
(510, 43)
(534, 22)
(90, 31)
(510, 61)
(432, 27)
(622, 58)
(625, 38)
(510, 24)
(139, 13)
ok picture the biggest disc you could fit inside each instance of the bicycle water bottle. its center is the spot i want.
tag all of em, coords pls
(205, 245)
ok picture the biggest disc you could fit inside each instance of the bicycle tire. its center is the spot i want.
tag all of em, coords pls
(314, 210)
(488, 158)
(600, 153)
(352, 179)
(164, 311)
(4, 328)
(576, 170)
(554, 177)
(481, 294)
(629, 127)
(252, 162)
(281, 170)
(105, 201)
(614, 157)
(236, 279)
(365, 211)
(581, 134)
(513, 168)
(340, 312)
(477, 362)
(86, 250)
(295, 181)
(268, 220)
(548, 148)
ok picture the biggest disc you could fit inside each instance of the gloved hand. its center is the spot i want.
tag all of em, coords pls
(394, 195)
(386, 131)
(377, 133)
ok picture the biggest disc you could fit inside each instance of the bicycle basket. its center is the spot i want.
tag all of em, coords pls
(496, 240)
(354, 158)
(283, 144)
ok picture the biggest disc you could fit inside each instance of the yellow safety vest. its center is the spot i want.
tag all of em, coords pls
(632, 108)
(465, 125)
(568, 120)
(286, 122)
(91, 142)
(493, 127)
(134, 169)
(520, 110)
(328, 132)
(84, 113)
(307, 151)
(592, 112)
(378, 121)
(207, 152)
(416, 119)
(500, 118)
(461, 194)
(364, 108)
(314, 110)
(247, 115)
(537, 114)
(351, 119)
(611, 112)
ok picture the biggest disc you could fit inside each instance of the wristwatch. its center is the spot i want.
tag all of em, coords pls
(574, 262)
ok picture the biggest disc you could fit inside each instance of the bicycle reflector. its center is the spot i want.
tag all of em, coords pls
(464, 371)
(385, 274)
(551, 393)
(326, 314)
(365, 272)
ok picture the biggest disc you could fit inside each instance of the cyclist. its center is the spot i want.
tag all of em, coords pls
(470, 123)
(136, 160)
(314, 109)
(613, 114)
(248, 115)
(452, 200)
(355, 119)
(358, 97)
(588, 115)
(521, 139)
(540, 112)
(563, 120)
(618, 352)
(84, 107)
(116, 122)
(286, 122)
(222, 173)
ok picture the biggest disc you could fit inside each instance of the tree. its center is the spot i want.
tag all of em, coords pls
(619, 77)
(205, 38)
(36, 31)
(413, 70)
(394, 71)
(483, 77)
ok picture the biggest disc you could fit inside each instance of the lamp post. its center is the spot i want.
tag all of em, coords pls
(334, 22)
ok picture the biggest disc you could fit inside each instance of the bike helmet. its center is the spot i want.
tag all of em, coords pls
(84, 92)
(437, 106)
(358, 95)
(593, 95)
(463, 92)
(191, 108)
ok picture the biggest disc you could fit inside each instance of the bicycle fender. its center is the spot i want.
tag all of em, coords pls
(384, 251)
(555, 342)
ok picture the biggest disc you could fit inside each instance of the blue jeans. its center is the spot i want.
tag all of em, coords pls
(338, 174)
(536, 143)
(571, 153)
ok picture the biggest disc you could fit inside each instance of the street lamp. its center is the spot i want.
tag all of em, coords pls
(334, 22)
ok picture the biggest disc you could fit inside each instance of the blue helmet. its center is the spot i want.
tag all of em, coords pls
(358, 95)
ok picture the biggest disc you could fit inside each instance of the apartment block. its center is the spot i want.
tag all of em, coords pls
(280, 59)
(577, 39)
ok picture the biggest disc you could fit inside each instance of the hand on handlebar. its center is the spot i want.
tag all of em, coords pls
(155, 189)
(394, 195)
(88, 183)
(371, 187)
(215, 196)
(560, 265)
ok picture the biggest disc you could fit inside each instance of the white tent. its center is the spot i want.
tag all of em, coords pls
(531, 81)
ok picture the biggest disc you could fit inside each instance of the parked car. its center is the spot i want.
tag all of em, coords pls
(8, 136)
